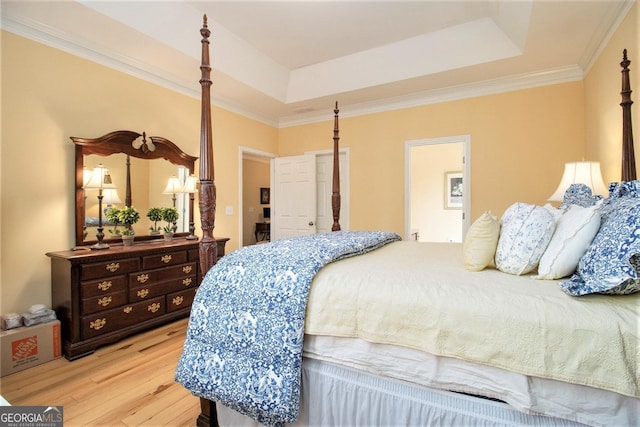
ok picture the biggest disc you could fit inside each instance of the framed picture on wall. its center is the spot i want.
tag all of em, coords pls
(265, 198)
(453, 190)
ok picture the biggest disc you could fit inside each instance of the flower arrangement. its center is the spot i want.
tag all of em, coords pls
(155, 215)
(170, 216)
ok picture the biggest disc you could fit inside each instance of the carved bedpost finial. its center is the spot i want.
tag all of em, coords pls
(628, 156)
(625, 61)
(204, 31)
(335, 195)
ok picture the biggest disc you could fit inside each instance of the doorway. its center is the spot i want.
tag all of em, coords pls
(437, 193)
(251, 212)
(254, 205)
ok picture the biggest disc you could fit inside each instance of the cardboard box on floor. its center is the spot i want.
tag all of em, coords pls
(28, 346)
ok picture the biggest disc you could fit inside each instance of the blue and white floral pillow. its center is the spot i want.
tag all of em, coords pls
(580, 195)
(620, 194)
(611, 264)
(525, 233)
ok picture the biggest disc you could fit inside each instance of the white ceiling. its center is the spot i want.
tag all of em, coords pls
(287, 62)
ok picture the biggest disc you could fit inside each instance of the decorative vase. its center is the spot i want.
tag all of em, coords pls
(127, 239)
(168, 237)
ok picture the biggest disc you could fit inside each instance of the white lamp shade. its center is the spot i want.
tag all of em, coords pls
(587, 173)
(173, 186)
(110, 197)
(100, 179)
(190, 185)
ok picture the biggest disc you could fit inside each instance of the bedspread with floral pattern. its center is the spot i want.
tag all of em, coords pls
(244, 340)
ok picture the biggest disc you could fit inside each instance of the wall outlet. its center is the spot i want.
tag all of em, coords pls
(228, 210)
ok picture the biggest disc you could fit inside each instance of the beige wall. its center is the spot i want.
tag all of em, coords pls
(48, 96)
(519, 143)
(602, 97)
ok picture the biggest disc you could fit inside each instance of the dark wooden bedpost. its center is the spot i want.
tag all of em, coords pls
(207, 204)
(208, 248)
(335, 196)
(127, 196)
(628, 157)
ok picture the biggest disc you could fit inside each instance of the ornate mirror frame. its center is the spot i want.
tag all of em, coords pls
(132, 144)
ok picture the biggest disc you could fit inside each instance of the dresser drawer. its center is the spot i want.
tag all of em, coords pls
(109, 268)
(153, 276)
(104, 302)
(118, 318)
(182, 299)
(161, 288)
(100, 287)
(104, 296)
(163, 260)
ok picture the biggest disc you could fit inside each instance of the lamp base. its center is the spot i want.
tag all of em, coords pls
(192, 237)
(100, 245)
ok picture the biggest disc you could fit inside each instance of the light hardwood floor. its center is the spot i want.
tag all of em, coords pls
(129, 383)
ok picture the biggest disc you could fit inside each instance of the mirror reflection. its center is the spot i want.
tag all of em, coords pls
(149, 179)
(140, 179)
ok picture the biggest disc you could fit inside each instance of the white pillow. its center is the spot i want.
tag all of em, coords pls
(574, 232)
(480, 242)
(525, 233)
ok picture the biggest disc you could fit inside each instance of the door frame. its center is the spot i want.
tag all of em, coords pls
(466, 183)
(241, 152)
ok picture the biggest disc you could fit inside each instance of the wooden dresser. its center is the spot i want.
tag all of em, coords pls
(103, 296)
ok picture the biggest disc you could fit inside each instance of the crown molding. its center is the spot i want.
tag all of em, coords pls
(59, 40)
(36, 31)
(453, 93)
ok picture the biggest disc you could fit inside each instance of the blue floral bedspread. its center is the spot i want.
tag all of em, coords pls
(244, 340)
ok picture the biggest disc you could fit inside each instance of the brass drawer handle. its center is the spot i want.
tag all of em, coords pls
(187, 281)
(166, 259)
(178, 300)
(142, 293)
(105, 286)
(128, 309)
(98, 324)
(114, 266)
(154, 307)
(104, 301)
(187, 269)
(142, 278)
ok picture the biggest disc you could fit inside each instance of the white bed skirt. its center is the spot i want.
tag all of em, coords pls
(334, 395)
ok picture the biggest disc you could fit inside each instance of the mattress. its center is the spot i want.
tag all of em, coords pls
(339, 396)
(531, 395)
(419, 296)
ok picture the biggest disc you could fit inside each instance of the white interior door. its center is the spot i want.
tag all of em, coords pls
(293, 204)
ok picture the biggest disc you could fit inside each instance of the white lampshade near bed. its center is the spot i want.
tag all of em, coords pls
(587, 173)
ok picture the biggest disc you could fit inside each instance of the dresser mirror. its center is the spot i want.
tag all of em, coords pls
(140, 167)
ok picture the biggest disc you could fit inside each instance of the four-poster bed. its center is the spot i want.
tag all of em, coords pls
(418, 353)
